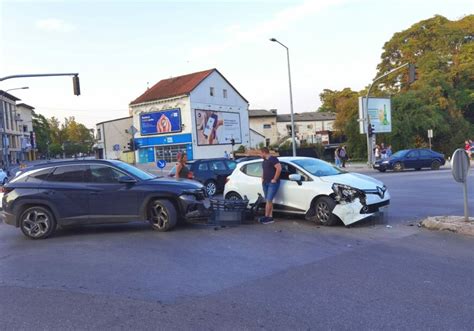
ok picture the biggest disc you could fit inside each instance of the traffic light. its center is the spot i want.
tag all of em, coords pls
(76, 85)
(371, 130)
(232, 141)
(131, 145)
(411, 73)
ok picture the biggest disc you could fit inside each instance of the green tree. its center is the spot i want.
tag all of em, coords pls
(41, 129)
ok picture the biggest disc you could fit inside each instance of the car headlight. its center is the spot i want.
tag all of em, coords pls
(386, 162)
(347, 193)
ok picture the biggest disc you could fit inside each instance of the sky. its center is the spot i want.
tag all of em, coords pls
(120, 47)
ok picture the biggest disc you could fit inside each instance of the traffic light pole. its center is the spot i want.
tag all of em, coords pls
(370, 153)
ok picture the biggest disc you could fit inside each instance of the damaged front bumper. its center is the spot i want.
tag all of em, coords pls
(361, 204)
(193, 206)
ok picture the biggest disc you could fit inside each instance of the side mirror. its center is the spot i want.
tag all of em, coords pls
(296, 178)
(127, 180)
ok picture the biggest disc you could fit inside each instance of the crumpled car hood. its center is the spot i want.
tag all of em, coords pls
(359, 181)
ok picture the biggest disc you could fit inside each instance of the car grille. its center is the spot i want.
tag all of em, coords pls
(369, 209)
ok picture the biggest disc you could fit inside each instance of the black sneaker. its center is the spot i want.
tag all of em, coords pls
(268, 220)
(262, 219)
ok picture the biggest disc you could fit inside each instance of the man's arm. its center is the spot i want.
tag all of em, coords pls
(277, 172)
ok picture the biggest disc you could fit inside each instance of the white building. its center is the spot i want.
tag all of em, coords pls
(200, 113)
(25, 125)
(113, 138)
(312, 127)
(265, 123)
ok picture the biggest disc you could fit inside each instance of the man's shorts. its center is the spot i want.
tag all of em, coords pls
(270, 190)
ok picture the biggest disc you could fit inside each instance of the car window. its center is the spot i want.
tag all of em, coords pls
(69, 173)
(143, 175)
(231, 164)
(317, 167)
(426, 154)
(412, 155)
(288, 169)
(217, 165)
(253, 169)
(104, 174)
(203, 166)
(38, 176)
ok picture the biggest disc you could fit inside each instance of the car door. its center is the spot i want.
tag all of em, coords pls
(293, 196)
(64, 188)
(412, 160)
(250, 181)
(109, 200)
(426, 157)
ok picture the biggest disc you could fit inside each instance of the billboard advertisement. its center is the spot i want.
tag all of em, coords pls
(217, 127)
(380, 114)
(166, 121)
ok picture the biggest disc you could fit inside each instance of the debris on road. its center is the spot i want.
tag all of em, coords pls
(454, 224)
(388, 226)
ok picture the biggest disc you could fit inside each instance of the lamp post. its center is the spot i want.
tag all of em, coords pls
(291, 97)
(4, 133)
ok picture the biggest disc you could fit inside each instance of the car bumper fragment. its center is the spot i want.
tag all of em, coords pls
(8, 218)
(355, 211)
(193, 209)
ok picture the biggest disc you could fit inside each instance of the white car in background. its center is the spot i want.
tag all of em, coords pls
(314, 188)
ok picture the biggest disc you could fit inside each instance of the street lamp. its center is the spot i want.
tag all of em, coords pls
(291, 97)
(4, 132)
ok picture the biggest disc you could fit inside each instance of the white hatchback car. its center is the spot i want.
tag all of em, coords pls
(314, 188)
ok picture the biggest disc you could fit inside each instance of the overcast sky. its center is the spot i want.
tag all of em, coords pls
(119, 46)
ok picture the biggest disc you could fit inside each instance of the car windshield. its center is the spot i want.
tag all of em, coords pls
(143, 175)
(318, 168)
(399, 153)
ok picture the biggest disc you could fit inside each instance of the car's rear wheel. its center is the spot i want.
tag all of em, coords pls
(233, 196)
(323, 208)
(417, 169)
(435, 165)
(37, 222)
(382, 170)
(398, 167)
(162, 215)
(211, 188)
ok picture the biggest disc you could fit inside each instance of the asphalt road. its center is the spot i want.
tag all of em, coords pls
(288, 275)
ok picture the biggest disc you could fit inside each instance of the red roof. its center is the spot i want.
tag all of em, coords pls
(172, 87)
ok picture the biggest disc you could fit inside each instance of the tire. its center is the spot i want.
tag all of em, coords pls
(382, 170)
(37, 222)
(233, 196)
(162, 215)
(323, 208)
(417, 169)
(435, 165)
(211, 188)
(397, 167)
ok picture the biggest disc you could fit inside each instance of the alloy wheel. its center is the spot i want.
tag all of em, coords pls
(211, 189)
(36, 223)
(322, 211)
(159, 216)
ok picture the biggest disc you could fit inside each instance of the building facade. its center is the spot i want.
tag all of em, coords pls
(113, 138)
(200, 114)
(265, 123)
(9, 125)
(310, 127)
(25, 125)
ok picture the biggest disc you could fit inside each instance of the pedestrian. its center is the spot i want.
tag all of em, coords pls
(226, 155)
(182, 170)
(343, 156)
(472, 147)
(389, 151)
(337, 159)
(383, 151)
(467, 148)
(270, 182)
(377, 152)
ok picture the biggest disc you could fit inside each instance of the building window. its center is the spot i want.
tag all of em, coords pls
(224, 93)
(99, 134)
(310, 126)
(267, 126)
(267, 142)
(25, 128)
(211, 91)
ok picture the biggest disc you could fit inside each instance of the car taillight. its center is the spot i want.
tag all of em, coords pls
(190, 175)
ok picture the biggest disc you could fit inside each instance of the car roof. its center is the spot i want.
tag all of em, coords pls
(69, 162)
(212, 159)
(282, 158)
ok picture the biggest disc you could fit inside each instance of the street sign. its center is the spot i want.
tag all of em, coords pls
(132, 130)
(116, 147)
(430, 133)
(460, 164)
(161, 164)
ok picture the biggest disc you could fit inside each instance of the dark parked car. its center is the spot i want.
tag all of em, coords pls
(212, 173)
(411, 159)
(96, 192)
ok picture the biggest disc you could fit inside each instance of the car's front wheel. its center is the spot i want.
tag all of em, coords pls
(398, 167)
(162, 215)
(435, 165)
(233, 196)
(323, 208)
(37, 222)
(211, 188)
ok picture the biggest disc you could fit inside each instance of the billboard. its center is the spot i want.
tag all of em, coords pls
(217, 127)
(380, 114)
(160, 122)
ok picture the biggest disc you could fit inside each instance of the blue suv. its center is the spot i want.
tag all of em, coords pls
(96, 192)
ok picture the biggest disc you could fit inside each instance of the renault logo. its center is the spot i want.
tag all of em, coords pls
(381, 191)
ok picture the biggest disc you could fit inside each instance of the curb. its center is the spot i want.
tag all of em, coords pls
(454, 224)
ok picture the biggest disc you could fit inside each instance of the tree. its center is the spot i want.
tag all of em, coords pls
(42, 130)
